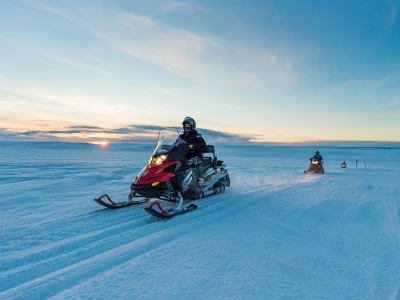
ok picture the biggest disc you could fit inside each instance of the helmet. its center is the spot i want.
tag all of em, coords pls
(188, 125)
(191, 121)
(317, 152)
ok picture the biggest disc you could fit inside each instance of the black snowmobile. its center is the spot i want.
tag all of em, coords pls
(169, 178)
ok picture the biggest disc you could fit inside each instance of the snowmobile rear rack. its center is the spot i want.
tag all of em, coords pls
(114, 205)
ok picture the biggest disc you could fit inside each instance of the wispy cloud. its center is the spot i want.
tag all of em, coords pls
(66, 60)
(179, 6)
(213, 136)
(45, 7)
(85, 127)
(393, 14)
(394, 114)
(18, 98)
(58, 53)
(6, 135)
(186, 53)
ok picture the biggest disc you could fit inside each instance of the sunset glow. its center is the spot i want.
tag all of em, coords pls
(102, 143)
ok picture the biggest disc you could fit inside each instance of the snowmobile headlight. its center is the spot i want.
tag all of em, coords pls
(158, 160)
(314, 162)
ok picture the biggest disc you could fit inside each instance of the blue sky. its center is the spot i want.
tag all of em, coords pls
(281, 71)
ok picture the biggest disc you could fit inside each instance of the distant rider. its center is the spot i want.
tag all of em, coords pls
(316, 157)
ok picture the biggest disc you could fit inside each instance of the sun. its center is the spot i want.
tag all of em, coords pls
(101, 143)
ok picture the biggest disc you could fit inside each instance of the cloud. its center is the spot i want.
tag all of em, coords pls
(178, 6)
(88, 133)
(213, 136)
(139, 127)
(348, 143)
(393, 14)
(65, 60)
(186, 53)
(84, 127)
(45, 7)
(6, 135)
(395, 114)
(27, 99)
(52, 51)
(129, 133)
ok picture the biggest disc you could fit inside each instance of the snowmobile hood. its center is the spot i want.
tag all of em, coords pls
(152, 174)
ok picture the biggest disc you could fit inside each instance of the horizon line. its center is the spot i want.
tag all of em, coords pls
(321, 143)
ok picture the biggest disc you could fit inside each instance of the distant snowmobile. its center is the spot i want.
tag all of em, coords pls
(316, 166)
(171, 178)
(343, 165)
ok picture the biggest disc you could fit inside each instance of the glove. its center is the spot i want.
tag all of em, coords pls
(191, 146)
(191, 162)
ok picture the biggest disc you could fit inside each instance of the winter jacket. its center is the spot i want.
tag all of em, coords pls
(317, 157)
(197, 145)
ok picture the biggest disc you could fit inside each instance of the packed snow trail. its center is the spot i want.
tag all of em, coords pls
(275, 234)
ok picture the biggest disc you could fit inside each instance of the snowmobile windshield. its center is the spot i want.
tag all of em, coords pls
(169, 143)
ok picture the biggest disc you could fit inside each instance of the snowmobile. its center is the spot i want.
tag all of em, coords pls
(343, 165)
(169, 178)
(316, 166)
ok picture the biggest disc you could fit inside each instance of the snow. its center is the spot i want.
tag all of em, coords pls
(275, 234)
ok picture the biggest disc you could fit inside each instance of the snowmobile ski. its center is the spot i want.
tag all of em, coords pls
(167, 214)
(114, 205)
(314, 172)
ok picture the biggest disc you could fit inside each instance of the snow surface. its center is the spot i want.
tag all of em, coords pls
(275, 234)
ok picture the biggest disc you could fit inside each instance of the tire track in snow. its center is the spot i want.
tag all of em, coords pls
(72, 224)
(66, 274)
(52, 224)
(32, 256)
(79, 248)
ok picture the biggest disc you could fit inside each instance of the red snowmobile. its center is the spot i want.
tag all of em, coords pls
(316, 166)
(169, 178)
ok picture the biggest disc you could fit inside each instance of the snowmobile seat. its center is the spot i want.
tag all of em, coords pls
(207, 161)
(211, 149)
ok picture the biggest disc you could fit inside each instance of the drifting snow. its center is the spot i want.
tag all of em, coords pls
(276, 233)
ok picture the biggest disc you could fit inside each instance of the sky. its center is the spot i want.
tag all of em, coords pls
(248, 71)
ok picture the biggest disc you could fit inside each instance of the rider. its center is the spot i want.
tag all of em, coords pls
(316, 157)
(197, 145)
